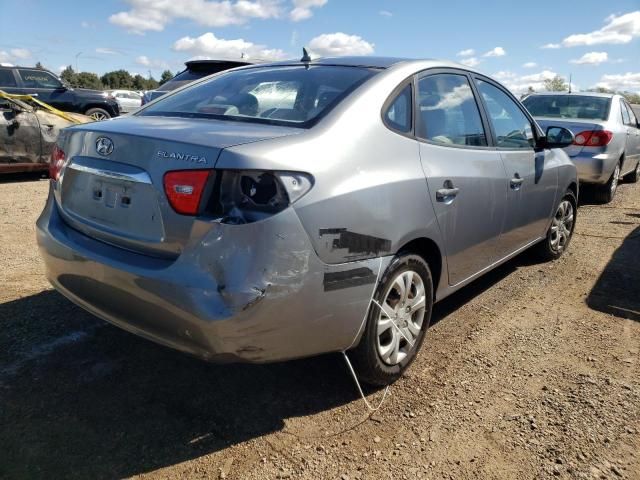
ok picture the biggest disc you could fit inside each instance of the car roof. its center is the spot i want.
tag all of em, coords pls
(577, 94)
(353, 61)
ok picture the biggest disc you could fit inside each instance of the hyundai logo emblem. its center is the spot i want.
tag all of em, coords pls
(104, 146)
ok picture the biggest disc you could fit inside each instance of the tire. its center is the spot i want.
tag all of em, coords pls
(98, 114)
(634, 176)
(605, 193)
(561, 230)
(371, 365)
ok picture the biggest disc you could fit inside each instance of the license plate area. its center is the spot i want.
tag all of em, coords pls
(120, 208)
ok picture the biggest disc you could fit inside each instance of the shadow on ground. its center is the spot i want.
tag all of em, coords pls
(617, 291)
(82, 399)
(23, 177)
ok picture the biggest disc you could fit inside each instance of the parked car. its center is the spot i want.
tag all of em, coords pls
(236, 229)
(28, 133)
(50, 89)
(195, 70)
(607, 135)
(128, 101)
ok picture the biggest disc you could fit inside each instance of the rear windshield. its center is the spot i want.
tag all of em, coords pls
(181, 79)
(568, 106)
(291, 95)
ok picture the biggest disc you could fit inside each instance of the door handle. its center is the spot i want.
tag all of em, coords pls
(516, 182)
(447, 193)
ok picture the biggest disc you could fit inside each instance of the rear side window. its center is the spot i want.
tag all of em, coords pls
(289, 95)
(448, 113)
(399, 113)
(38, 79)
(512, 127)
(7, 79)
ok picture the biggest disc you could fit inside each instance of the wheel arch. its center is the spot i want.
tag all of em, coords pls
(430, 251)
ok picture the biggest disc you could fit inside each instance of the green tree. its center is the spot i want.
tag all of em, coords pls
(556, 84)
(166, 76)
(139, 82)
(631, 97)
(88, 80)
(117, 79)
(68, 76)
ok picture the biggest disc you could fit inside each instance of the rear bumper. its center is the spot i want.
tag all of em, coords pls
(595, 166)
(255, 292)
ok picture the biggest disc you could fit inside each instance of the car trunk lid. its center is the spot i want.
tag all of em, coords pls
(118, 196)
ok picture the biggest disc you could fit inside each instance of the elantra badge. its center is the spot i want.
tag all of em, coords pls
(182, 156)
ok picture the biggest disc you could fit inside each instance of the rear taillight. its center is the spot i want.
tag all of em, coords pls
(57, 161)
(184, 189)
(593, 138)
(246, 196)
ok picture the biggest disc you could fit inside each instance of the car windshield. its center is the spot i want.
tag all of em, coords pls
(568, 106)
(292, 95)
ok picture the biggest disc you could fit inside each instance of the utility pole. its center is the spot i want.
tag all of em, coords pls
(77, 55)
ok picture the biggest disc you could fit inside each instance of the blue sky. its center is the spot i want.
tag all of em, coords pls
(598, 42)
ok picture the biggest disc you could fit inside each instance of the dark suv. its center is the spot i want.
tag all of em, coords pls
(48, 88)
(195, 70)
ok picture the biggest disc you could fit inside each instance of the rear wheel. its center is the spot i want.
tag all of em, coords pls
(98, 114)
(561, 229)
(634, 176)
(397, 321)
(605, 193)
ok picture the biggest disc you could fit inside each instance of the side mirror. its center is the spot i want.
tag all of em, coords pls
(558, 137)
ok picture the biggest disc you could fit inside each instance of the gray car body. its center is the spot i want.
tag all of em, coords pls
(300, 282)
(596, 164)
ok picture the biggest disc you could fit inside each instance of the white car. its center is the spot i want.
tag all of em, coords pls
(128, 101)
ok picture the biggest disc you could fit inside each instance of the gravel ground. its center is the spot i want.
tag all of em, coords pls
(531, 372)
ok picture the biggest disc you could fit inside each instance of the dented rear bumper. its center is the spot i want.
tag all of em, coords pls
(255, 292)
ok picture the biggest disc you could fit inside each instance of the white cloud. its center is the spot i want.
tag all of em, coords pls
(106, 51)
(470, 62)
(618, 29)
(149, 63)
(20, 53)
(625, 82)
(466, 53)
(592, 58)
(529, 65)
(385, 13)
(154, 15)
(551, 46)
(336, 44)
(520, 83)
(302, 9)
(14, 55)
(496, 52)
(208, 45)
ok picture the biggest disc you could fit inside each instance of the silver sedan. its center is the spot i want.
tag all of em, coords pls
(607, 135)
(280, 211)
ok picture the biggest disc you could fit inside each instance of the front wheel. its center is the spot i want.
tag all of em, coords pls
(561, 230)
(397, 321)
(98, 114)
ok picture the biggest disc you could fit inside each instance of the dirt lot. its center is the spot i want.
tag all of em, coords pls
(531, 372)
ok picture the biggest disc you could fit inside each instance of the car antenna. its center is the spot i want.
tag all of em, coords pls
(306, 58)
(569, 82)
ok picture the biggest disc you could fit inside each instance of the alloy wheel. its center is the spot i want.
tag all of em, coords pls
(401, 316)
(562, 226)
(98, 116)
